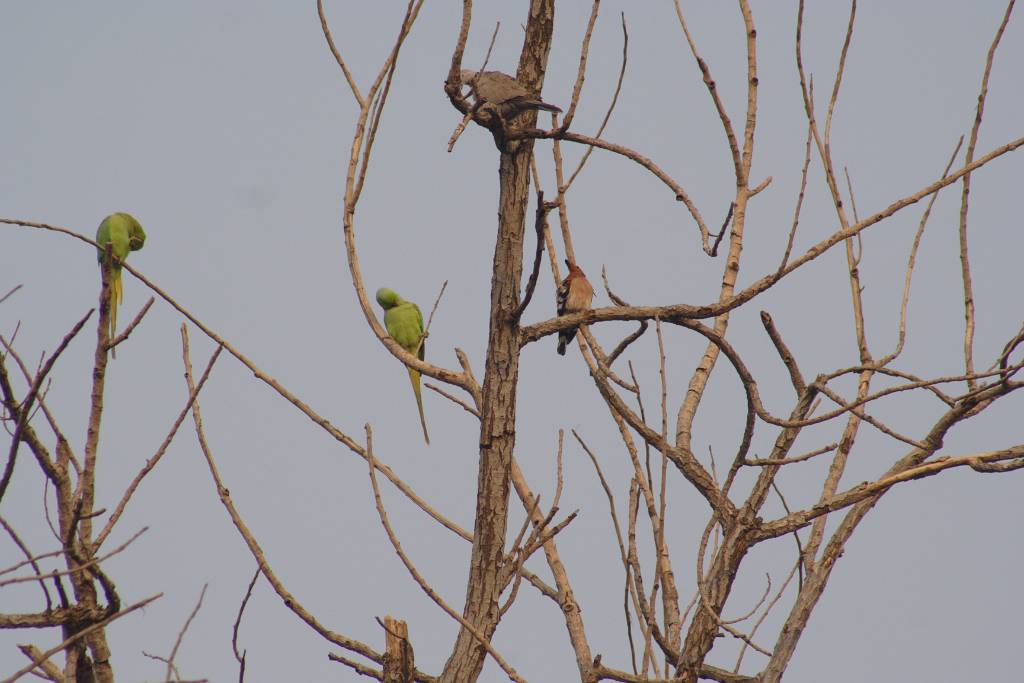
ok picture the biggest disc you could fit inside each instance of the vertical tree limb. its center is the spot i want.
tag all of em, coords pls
(501, 373)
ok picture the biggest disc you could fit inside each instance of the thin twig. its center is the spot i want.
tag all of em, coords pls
(800, 519)
(240, 658)
(540, 225)
(803, 189)
(132, 325)
(757, 605)
(26, 404)
(430, 319)
(616, 299)
(795, 376)
(630, 588)
(8, 295)
(800, 555)
(767, 610)
(337, 55)
(768, 462)
(611, 108)
(152, 462)
(722, 231)
(458, 401)
(663, 571)
(965, 264)
(29, 560)
(624, 344)
(73, 570)
(677, 189)
(360, 669)
(63, 449)
(223, 493)
(581, 72)
(378, 96)
(709, 82)
(904, 300)
(515, 560)
(184, 629)
(675, 312)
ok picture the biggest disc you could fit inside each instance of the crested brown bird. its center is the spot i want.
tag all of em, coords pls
(574, 295)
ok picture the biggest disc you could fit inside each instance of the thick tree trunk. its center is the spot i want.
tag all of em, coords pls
(700, 637)
(501, 374)
(498, 426)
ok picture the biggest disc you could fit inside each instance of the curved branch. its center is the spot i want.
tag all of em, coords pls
(674, 312)
(965, 263)
(304, 408)
(611, 108)
(646, 162)
(362, 141)
(453, 84)
(287, 598)
(982, 462)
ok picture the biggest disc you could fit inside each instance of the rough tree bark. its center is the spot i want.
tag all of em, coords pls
(501, 373)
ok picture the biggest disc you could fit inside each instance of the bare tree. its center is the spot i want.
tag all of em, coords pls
(81, 615)
(673, 626)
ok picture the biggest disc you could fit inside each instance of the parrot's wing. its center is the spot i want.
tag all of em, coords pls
(102, 239)
(403, 323)
(120, 234)
(389, 322)
(419, 324)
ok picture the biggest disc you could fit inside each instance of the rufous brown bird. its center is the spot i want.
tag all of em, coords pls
(574, 295)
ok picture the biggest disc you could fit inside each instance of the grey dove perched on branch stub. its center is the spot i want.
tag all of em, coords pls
(503, 92)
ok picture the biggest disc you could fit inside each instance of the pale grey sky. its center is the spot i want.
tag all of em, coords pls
(225, 126)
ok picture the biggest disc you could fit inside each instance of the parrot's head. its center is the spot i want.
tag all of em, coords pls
(136, 235)
(388, 298)
(467, 76)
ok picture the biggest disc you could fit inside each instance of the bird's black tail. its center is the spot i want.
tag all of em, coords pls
(548, 107)
(564, 337)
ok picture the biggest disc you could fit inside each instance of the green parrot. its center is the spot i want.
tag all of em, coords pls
(404, 322)
(124, 234)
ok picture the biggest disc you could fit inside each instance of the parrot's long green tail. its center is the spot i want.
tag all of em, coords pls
(414, 377)
(116, 294)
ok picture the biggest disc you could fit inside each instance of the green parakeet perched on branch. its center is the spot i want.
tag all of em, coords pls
(124, 234)
(404, 322)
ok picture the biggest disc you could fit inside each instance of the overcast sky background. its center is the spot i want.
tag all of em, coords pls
(225, 128)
